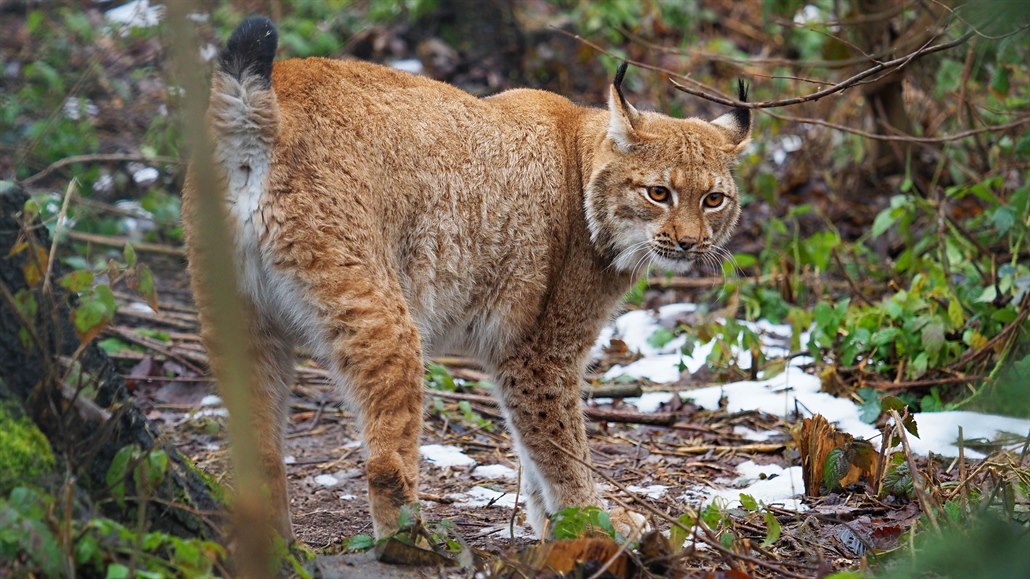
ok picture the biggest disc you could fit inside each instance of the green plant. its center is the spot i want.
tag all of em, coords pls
(576, 522)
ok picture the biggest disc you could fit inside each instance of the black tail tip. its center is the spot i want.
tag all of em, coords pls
(251, 50)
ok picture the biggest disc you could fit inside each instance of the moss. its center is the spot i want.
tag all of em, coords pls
(217, 490)
(24, 452)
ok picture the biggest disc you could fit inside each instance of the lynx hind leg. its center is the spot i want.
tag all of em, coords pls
(272, 373)
(378, 352)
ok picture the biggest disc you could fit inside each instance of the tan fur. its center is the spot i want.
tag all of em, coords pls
(395, 217)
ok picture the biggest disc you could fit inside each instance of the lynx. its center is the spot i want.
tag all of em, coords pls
(381, 217)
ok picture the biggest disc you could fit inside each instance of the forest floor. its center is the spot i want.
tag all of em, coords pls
(683, 442)
(678, 443)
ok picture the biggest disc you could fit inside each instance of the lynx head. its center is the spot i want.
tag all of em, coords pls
(661, 190)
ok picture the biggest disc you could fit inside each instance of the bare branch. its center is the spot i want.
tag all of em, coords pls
(893, 64)
(905, 138)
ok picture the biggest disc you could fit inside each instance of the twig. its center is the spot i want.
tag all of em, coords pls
(515, 507)
(155, 345)
(111, 158)
(1024, 311)
(882, 385)
(58, 230)
(847, 277)
(653, 419)
(903, 137)
(629, 390)
(833, 89)
(706, 448)
(118, 241)
(917, 478)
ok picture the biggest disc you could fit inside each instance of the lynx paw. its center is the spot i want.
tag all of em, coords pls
(627, 523)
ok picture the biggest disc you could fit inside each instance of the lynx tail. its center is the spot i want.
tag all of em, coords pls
(250, 50)
(243, 113)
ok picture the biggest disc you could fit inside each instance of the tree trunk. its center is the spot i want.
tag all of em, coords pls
(86, 415)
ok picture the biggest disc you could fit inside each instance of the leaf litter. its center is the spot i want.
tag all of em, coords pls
(728, 468)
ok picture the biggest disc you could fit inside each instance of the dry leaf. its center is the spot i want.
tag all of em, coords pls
(833, 459)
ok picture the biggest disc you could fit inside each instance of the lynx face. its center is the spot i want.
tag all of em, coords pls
(662, 189)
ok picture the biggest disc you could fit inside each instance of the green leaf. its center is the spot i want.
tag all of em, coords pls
(113, 345)
(835, 468)
(824, 316)
(949, 75)
(661, 337)
(955, 314)
(1004, 218)
(678, 536)
(89, 315)
(772, 530)
(987, 295)
(103, 295)
(77, 281)
(130, 255)
(919, 365)
(933, 337)
(1000, 80)
(151, 470)
(897, 481)
(359, 543)
(146, 285)
(117, 571)
(884, 220)
(894, 309)
(884, 336)
(892, 403)
(118, 469)
(870, 409)
(748, 502)
(87, 551)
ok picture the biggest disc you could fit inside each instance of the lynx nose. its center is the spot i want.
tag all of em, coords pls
(687, 243)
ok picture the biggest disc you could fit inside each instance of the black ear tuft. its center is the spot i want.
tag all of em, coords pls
(619, 75)
(741, 115)
(251, 50)
(742, 90)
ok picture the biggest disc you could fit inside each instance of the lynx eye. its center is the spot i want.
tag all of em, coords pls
(713, 200)
(659, 194)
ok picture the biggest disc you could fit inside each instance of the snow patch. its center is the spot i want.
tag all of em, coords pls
(650, 401)
(938, 431)
(650, 491)
(494, 471)
(781, 396)
(326, 480)
(412, 65)
(479, 496)
(754, 435)
(445, 455)
(211, 400)
(137, 13)
(145, 175)
(769, 483)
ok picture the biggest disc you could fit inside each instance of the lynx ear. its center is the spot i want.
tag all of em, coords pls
(621, 115)
(736, 124)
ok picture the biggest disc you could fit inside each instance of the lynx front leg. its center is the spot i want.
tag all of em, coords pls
(543, 409)
(377, 350)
